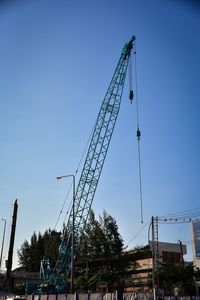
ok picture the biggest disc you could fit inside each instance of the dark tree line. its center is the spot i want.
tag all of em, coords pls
(173, 275)
(101, 239)
(101, 258)
(31, 254)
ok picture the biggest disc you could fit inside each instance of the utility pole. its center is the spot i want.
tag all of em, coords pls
(155, 255)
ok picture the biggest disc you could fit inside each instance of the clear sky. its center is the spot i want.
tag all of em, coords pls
(57, 58)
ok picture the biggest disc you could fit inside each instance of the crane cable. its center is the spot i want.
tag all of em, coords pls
(51, 245)
(138, 132)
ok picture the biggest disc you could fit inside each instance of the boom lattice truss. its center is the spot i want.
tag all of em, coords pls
(93, 165)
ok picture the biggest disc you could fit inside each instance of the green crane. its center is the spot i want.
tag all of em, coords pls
(90, 175)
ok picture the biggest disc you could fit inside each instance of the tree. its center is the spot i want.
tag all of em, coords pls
(173, 275)
(114, 241)
(101, 237)
(100, 255)
(31, 254)
(93, 242)
(24, 256)
(100, 251)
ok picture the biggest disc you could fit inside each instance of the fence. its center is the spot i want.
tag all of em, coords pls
(96, 296)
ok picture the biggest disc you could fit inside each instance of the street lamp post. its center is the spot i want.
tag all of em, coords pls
(72, 242)
(4, 231)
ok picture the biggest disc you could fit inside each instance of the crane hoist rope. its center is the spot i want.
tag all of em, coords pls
(138, 132)
(131, 94)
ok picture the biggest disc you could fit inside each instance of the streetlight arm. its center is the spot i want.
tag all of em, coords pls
(64, 176)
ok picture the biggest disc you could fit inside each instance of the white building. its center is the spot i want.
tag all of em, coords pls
(195, 226)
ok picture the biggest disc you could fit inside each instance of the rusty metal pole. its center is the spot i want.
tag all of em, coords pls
(10, 252)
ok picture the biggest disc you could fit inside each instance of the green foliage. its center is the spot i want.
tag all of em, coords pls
(101, 238)
(93, 242)
(24, 255)
(91, 284)
(109, 226)
(31, 254)
(176, 275)
(19, 289)
(101, 256)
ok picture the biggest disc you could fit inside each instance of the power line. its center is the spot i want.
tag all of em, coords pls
(186, 212)
(139, 231)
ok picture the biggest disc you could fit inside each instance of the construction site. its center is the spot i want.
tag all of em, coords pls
(55, 281)
(82, 256)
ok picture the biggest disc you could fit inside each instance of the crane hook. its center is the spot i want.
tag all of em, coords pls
(138, 133)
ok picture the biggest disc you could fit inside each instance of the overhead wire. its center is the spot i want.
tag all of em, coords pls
(70, 187)
(180, 217)
(183, 213)
(141, 229)
(49, 248)
(172, 222)
(78, 167)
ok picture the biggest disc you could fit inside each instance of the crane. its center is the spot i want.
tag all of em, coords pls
(91, 172)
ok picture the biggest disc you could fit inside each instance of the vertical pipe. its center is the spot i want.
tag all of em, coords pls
(12, 238)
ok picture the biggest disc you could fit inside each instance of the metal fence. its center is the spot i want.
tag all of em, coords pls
(95, 296)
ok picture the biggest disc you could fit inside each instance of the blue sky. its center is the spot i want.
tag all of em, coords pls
(56, 61)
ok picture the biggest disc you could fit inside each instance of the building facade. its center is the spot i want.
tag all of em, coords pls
(168, 252)
(195, 228)
(195, 232)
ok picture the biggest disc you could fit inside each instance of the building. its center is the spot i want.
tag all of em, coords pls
(195, 230)
(195, 226)
(167, 252)
(171, 251)
(136, 276)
